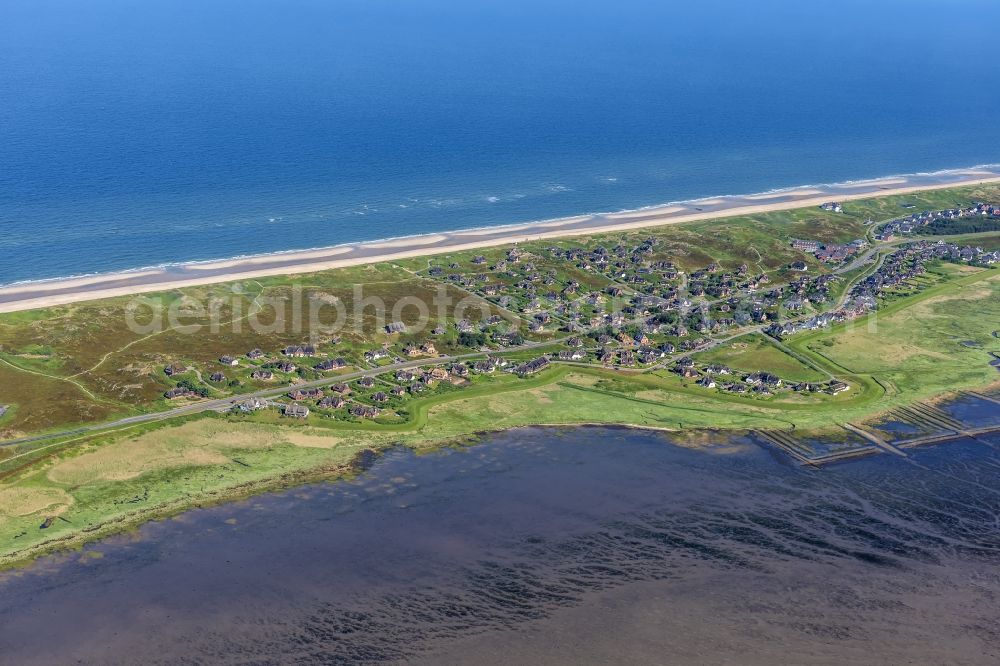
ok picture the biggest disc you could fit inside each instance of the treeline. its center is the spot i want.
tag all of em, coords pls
(975, 225)
(193, 387)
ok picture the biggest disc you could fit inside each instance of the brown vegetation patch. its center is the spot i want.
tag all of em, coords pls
(19, 502)
(197, 443)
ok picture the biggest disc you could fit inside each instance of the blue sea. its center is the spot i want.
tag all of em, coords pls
(144, 132)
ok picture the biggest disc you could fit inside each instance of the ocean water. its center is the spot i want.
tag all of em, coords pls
(141, 132)
(546, 546)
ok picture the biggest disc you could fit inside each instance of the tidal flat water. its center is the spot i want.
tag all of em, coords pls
(586, 545)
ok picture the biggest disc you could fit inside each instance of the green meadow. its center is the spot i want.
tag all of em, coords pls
(79, 364)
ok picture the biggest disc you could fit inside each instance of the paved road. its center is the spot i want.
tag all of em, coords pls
(224, 404)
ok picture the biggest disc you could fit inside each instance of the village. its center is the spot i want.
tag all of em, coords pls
(896, 271)
(913, 223)
(616, 307)
(830, 253)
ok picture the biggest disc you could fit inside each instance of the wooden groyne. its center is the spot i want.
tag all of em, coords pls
(874, 439)
(933, 415)
(983, 396)
(786, 442)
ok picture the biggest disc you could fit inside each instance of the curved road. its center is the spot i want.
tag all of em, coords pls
(224, 404)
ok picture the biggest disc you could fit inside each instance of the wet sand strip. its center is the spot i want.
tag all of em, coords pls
(71, 290)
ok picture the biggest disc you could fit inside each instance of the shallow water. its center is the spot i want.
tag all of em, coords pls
(973, 411)
(585, 545)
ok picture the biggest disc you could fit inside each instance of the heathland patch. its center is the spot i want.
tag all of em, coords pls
(83, 364)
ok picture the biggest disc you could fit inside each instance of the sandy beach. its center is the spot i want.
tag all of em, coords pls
(60, 292)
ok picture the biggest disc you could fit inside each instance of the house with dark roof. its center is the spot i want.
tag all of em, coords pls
(648, 355)
(763, 379)
(332, 402)
(330, 364)
(531, 367)
(364, 411)
(376, 354)
(306, 394)
(297, 411)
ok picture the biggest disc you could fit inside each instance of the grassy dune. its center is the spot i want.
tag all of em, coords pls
(81, 363)
(81, 488)
(108, 483)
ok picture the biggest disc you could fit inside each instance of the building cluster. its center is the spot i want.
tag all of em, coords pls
(897, 270)
(620, 305)
(830, 253)
(760, 383)
(633, 306)
(911, 223)
(366, 397)
(908, 262)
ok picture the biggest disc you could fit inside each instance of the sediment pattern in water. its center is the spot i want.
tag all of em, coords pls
(585, 544)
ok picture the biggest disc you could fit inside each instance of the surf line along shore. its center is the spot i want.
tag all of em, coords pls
(32, 295)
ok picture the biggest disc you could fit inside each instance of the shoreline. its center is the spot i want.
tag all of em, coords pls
(22, 561)
(63, 291)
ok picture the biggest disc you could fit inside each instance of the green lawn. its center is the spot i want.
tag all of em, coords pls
(917, 347)
(753, 353)
(921, 346)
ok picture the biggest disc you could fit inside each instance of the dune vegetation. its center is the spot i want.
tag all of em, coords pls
(76, 364)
